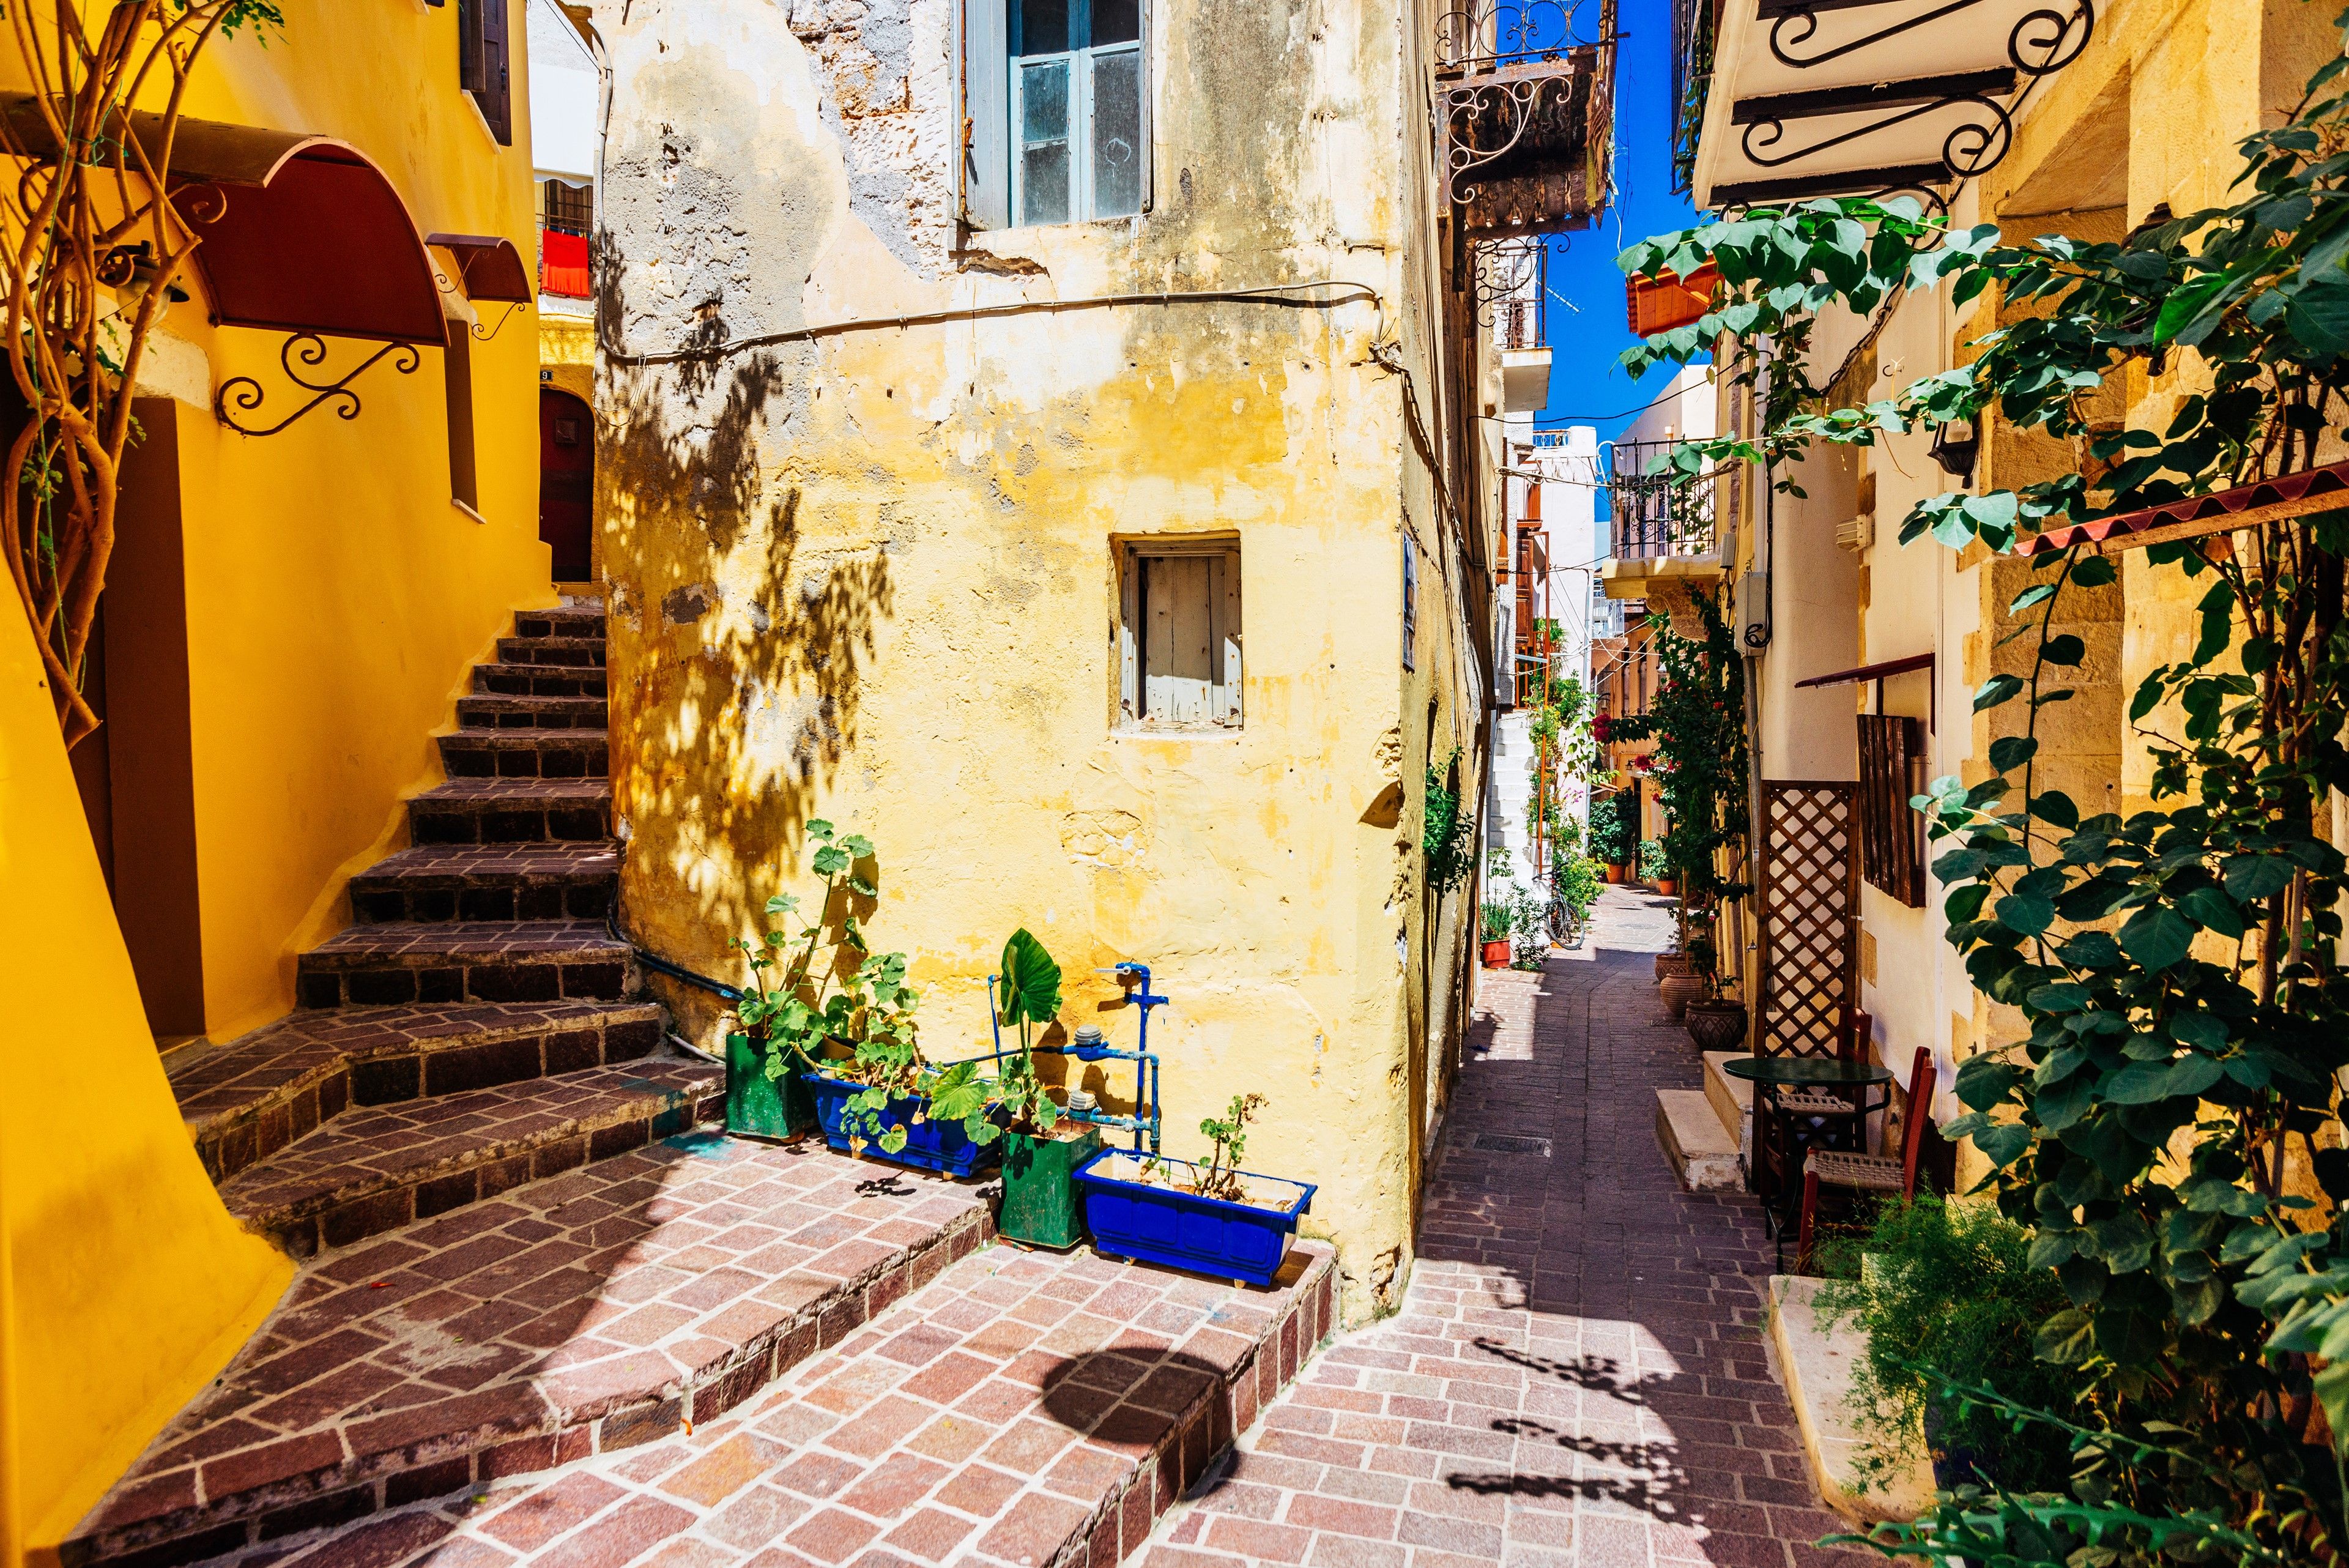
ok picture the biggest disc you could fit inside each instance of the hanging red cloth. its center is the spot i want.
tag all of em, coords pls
(563, 263)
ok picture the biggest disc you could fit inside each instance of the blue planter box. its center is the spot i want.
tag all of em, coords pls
(1160, 1224)
(929, 1145)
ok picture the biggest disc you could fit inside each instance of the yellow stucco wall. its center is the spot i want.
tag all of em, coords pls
(127, 1285)
(336, 598)
(871, 578)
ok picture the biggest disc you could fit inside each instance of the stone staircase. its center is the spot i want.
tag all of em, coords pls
(478, 1026)
(525, 1270)
(1708, 1133)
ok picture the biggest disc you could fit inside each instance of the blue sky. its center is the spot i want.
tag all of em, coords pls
(1584, 380)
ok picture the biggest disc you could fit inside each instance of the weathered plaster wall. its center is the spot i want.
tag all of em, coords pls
(871, 577)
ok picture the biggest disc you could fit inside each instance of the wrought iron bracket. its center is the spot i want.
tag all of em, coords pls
(484, 337)
(244, 395)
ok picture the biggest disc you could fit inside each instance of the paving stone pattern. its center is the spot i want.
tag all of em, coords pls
(568, 1316)
(1022, 1410)
(1577, 1375)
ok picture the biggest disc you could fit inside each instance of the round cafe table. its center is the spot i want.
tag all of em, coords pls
(1773, 1076)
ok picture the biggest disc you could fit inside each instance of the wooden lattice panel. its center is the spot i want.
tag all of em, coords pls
(1809, 937)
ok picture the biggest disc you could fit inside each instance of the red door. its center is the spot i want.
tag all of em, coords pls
(566, 483)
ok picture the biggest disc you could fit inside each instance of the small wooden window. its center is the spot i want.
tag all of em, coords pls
(1179, 635)
(485, 31)
(1891, 831)
(456, 370)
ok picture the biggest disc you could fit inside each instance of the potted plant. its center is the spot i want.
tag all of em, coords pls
(1212, 1218)
(1716, 1022)
(1494, 921)
(1610, 837)
(1042, 1148)
(841, 1020)
(1652, 868)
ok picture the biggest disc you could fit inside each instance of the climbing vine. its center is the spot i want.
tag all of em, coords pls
(94, 252)
(2168, 1125)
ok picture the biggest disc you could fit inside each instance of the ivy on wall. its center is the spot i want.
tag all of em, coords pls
(2168, 1123)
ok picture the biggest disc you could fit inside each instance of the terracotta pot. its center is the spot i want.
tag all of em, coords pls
(1615, 876)
(1679, 991)
(1673, 963)
(1497, 953)
(1667, 886)
(1716, 1026)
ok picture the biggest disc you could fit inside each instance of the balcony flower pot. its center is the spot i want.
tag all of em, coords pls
(930, 1144)
(1141, 1207)
(1679, 991)
(1039, 1199)
(1718, 1024)
(1497, 953)
(758, 1106)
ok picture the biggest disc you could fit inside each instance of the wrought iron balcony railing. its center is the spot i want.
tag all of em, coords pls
(1658, 513)
(1528, 91)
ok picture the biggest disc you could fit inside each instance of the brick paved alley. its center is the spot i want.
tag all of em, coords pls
(1577, 1376)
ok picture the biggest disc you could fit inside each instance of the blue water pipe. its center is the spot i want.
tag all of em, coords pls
(1136, 980)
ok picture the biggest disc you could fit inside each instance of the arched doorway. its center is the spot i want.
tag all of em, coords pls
(566, 483)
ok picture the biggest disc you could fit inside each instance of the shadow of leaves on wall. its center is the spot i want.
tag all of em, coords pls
(736, 656)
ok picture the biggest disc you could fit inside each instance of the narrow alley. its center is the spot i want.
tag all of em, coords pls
(1578, 1375)
(1576, 1378)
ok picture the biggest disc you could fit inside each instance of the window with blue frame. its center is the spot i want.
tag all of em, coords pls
(1057, 111)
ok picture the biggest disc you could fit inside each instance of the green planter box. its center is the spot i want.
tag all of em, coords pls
(758, 1106)
(1039, 1202)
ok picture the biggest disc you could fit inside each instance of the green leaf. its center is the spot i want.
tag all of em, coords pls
(2027, 913)
(2009, 752)
(831, 860)
(818, 827)
(2251, 877)
(2148, 1083)
(1029, 990)
(1998, 688)
(2213, 911)
(2094, 572)
(2067, 1339)
(2066, 650)
(2156, 938)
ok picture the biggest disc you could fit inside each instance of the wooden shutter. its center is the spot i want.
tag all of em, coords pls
(484, 63)
(987, 115)
(1891, 831)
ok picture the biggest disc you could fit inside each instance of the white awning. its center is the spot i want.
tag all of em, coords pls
(1832, 98)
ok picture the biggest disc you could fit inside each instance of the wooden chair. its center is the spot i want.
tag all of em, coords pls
(1833, 1114)
(1880, 1174)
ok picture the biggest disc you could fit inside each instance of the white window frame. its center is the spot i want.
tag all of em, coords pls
(992, 176)
(1225, 634)
(1081, 64)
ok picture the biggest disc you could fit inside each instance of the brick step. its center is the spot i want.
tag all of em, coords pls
(534, 881)
(582, 1315)
(562, 620)
(251, 1097)
(511, 811)
(525, 754)
(466, 960)
(377, 1167)
(583, 651)
(502, 712)
(539, 680)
